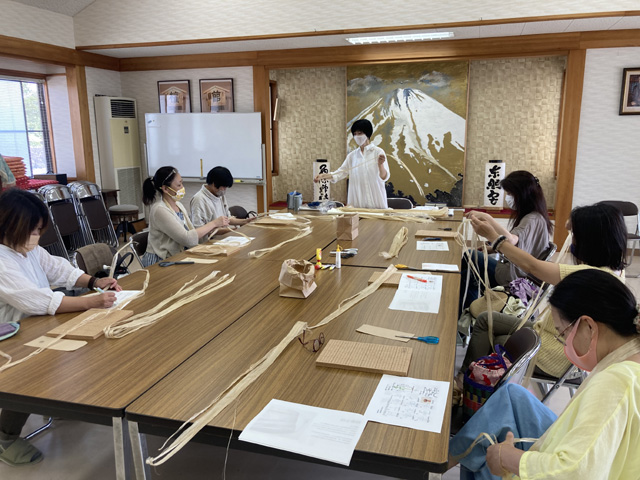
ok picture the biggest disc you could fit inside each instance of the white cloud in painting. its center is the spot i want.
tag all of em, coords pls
(361, 85)
(435, 79)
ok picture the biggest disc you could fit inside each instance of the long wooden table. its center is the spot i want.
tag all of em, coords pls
(375, 236)
(100, 381)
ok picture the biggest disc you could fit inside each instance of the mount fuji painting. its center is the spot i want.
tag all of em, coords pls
(418, 112)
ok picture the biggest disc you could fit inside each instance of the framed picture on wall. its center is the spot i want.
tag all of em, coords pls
(174, 96)
(216, 95)
(630, 96)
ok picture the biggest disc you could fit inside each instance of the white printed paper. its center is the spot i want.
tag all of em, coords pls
(418, 293)
(432, 245)
(446, 267)
(121, 296)
(409, 402)
(283, 216)
(233, 241)
(330, 435)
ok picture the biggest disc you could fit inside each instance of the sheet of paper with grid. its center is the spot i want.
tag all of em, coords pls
(365, 357)
(409, 402)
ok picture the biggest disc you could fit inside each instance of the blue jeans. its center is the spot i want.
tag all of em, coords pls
(472, 292)
(512, 408)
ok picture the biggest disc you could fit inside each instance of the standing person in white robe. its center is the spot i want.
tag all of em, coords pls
(367, 169)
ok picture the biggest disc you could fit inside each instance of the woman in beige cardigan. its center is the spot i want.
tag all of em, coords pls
(170, 229)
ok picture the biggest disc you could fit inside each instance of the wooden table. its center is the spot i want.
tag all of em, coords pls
(375, 236)
(382, 449)
(97, 382)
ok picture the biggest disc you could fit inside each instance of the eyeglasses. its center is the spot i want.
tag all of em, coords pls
(560, 337)
(315, 344)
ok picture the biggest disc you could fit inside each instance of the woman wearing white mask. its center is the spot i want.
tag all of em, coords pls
(366, 168)
(529, 229)
(170, 229)
(26, 273)
(597, 322)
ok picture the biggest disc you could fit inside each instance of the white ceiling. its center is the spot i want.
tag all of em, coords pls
(65, 7)
(484, 31)
(73, 7)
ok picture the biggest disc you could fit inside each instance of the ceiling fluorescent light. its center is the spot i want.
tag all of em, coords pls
(410, 37)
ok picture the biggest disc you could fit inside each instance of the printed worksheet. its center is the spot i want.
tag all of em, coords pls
(418, 293)
(432, 246)
(409, 402)
(330, 435)
(233, 240)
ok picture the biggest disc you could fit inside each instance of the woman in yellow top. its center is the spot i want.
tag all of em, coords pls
(597, 321)
(599, 241)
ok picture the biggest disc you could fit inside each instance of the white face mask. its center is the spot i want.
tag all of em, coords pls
(360, 139)
(31, 244)
(509, 200)
(179, 195)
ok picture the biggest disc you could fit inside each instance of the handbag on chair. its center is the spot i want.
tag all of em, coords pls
(481, 378)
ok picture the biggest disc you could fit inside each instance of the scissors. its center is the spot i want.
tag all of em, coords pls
(432, 340)
(168, 264)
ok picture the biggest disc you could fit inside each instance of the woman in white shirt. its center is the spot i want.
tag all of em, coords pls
(26, 273)
(367, 169)
(170, 229)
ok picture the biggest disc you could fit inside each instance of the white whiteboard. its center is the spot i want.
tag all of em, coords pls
(232, 140)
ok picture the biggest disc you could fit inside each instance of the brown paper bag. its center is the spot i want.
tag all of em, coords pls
(347, 228)
(297, 278)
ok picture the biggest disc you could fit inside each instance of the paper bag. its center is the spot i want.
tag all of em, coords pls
(347, 228)
(297, 278)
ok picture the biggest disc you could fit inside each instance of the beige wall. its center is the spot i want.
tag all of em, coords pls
(513, 116)
(311, 126)
(514, 106)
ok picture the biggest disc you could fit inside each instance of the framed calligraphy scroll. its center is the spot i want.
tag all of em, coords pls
(322, 189)
(630, 95)
(493, 175)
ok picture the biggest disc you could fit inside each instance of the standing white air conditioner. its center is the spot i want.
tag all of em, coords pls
(119, 148)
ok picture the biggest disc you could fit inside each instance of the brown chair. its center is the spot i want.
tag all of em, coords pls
(399, 203)
(628, 209)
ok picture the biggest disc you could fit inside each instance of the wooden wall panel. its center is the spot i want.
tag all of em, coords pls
(80, 126)
(53, 54)
(261, 104)
(568, 141)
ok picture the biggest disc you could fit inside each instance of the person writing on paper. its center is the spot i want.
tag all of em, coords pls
(210, 203)
(530, 228)
(170, 229)
(596, 320)
(599, 242)
(26, 273)
(367, 169)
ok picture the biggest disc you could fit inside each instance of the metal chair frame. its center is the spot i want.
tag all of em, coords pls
(84, 192)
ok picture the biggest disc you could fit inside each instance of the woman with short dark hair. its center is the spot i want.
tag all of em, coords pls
(597, 322)
(26, 273)
(529, 229)
(366, 167)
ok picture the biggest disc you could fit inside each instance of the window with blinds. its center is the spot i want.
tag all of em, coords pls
(24, 130)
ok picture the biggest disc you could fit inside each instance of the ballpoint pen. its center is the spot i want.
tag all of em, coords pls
(423, 280)
(431, 239)
(432, 340)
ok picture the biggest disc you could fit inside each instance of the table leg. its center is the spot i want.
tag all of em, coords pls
(118, 446)
(142, 471)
